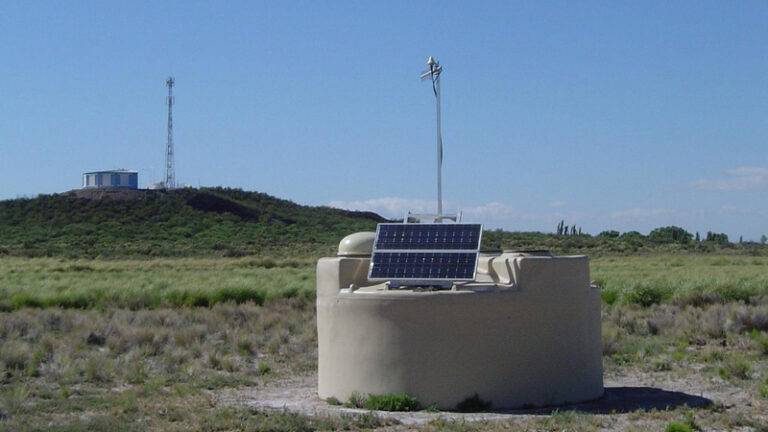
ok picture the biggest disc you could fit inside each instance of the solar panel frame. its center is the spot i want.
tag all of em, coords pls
(415, 254)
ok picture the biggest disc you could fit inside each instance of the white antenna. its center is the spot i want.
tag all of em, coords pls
(434, 73)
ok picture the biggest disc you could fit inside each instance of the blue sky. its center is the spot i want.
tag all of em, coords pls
(609, 115)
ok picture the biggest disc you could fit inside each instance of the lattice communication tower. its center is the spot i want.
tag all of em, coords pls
(170, 172)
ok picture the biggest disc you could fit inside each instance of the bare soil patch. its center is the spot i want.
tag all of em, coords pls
(630, 401)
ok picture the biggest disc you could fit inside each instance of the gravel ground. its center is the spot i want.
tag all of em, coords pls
(623, 395)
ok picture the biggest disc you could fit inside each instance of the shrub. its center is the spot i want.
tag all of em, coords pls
(662, 365)
(763, 389)
(609, 296)
(678, 427)
(688, 426)
(644, 295)
(392, 402)
(762, 344)
(16, 355)
(747, 320)
(356, 400)
(736, 367)
(79, 300)
(264, 369)
(238, 295)
(21, 300)
(735, 292)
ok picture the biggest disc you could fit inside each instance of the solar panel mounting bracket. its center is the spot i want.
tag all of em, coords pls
(435, 218)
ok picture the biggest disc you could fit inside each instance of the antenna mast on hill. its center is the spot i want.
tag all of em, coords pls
(434, 73)
(170, 174)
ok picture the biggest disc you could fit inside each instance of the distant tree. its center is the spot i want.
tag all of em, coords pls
(698, 239)
(579, 230)
(741, 239)
(763, 239)
(560, 227)
(670, 234)
(632, 235)
(718, 238)
(609, 234)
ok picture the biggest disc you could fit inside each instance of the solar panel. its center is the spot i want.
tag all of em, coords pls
(428, 236)
(420, 253)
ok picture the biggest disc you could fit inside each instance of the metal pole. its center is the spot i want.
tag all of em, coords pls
(439, 152)
(434, 74)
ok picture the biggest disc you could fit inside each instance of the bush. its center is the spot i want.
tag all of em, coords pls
(645, 295)
(356, 400)
(392, 402)
(21, 300)
(688, 426)
(609, 296)
(678, 427)
(736, 367)
(763, 345)
(238, 294)
(383, 402)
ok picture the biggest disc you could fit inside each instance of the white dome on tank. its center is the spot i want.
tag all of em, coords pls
(357, 244)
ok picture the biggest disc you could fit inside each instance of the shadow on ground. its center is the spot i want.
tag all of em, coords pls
(624, 400)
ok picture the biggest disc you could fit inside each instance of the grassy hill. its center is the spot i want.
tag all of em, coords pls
(182, 222)
(231, 222)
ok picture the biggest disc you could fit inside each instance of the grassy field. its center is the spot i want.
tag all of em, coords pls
(163, 282)
(680, 279)
(154, 344)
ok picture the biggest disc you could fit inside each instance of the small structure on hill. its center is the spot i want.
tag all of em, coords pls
(112, 179)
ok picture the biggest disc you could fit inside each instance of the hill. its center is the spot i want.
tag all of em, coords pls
(232, 222)
(181, 222)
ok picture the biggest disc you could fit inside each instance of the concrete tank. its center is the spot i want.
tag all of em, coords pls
(525, 333)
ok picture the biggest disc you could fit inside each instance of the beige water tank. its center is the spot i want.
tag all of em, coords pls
(526, 333)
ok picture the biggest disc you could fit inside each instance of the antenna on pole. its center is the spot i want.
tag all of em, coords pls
(170, 174)
(434, 74)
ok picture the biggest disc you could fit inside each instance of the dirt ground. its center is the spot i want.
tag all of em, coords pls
(625, 396)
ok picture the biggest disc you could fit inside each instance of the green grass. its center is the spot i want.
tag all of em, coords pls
(380, 402)
(695, 280)
(139, 284)
(140, 344)
(392, 402)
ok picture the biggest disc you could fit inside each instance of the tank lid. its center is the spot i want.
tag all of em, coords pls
(357, 244)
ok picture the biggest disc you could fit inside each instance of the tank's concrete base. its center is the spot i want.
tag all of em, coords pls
(526, 334)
